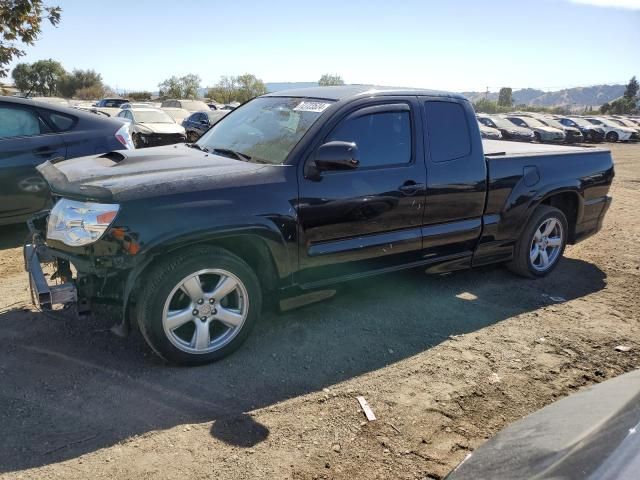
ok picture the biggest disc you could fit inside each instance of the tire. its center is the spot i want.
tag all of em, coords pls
(192, 137)
(136, 141)
(537, 137)
(529, 262)
(612, 137)
(202, 328)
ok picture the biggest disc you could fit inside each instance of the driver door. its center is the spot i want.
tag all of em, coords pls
(369, 218)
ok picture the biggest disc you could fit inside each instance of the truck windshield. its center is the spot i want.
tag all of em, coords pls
(266, 129)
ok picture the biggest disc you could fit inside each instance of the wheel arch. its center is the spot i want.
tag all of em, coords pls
(568, 201)
(258, 251)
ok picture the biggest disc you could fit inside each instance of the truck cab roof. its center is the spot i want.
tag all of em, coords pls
(348, 92)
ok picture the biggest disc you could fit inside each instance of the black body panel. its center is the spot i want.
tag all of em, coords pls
(441, 197)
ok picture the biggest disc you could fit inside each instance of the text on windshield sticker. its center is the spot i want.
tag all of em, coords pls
(317, 107)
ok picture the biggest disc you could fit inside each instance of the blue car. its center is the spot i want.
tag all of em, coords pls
(32, 133)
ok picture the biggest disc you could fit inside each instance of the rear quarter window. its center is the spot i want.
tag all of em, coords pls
(448, 131)
(61, 122)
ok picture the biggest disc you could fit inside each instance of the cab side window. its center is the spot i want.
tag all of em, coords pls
(382, 138)
(448, 130)
(19, 122)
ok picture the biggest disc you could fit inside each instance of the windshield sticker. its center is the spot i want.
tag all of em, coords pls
(317, 107)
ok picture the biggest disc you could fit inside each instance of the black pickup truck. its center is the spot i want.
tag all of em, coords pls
(296, 191)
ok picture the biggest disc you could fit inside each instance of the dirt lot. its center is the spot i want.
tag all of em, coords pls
(444, 361)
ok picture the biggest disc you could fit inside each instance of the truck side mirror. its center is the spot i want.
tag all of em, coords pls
(337, 155)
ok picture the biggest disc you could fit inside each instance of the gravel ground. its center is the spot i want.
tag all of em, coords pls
(444, 361)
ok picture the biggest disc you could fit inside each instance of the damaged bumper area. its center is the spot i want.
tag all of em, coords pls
(78, 279)
(43, 295)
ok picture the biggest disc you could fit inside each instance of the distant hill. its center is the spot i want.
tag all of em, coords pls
(577, 97)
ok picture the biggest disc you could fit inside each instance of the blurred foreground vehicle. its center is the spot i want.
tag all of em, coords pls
(152, 127)
(591, 435)
(33, 132)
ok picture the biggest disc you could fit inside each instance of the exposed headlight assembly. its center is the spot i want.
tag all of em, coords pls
(80, 223)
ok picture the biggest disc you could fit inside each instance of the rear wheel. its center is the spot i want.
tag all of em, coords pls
(199, 306)
(612, 137)
(541, 244)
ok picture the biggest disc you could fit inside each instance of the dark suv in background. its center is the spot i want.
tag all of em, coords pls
(32, 133)
(199, 122)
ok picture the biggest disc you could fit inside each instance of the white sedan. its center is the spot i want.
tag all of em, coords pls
(152, 127)
(613, 132)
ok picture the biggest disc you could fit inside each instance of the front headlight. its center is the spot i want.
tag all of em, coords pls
(80, 223)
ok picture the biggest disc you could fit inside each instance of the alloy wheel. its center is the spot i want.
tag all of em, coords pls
(205, 311)
(546, 245)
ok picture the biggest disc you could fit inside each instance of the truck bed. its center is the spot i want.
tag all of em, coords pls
(505, 148)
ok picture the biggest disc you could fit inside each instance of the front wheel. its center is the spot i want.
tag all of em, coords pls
(612, 137)
(541, 244)
(199, 306)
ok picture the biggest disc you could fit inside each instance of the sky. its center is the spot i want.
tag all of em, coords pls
(456, 45)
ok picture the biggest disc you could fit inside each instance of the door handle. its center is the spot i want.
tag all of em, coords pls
(410, 187)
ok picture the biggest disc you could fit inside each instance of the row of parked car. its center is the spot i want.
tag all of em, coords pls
(155, 124)
(545, 128)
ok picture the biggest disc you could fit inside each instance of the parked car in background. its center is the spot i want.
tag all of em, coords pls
(189, 105)
(111, 102)
(152, 127)
(199, 122)
(489, 132)
(33, 132)
(178, 114)
(136, 105)
(215, 106)
(590, 132)
(571, 134)
(625, 122)
(541, 132)
(508, 130)
(613, 132)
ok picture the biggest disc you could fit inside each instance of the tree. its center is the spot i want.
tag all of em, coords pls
(505, 97)
(485, 106)
(329, 79)
(40, 78)
(249, 87)
(180, 87)
(92, 92)
(20, 23)
(70, 84)
(632, 88)
(139, 96)
(605, 107)
(237, 89)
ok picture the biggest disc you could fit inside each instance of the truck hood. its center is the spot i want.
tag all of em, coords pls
(132, 174)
